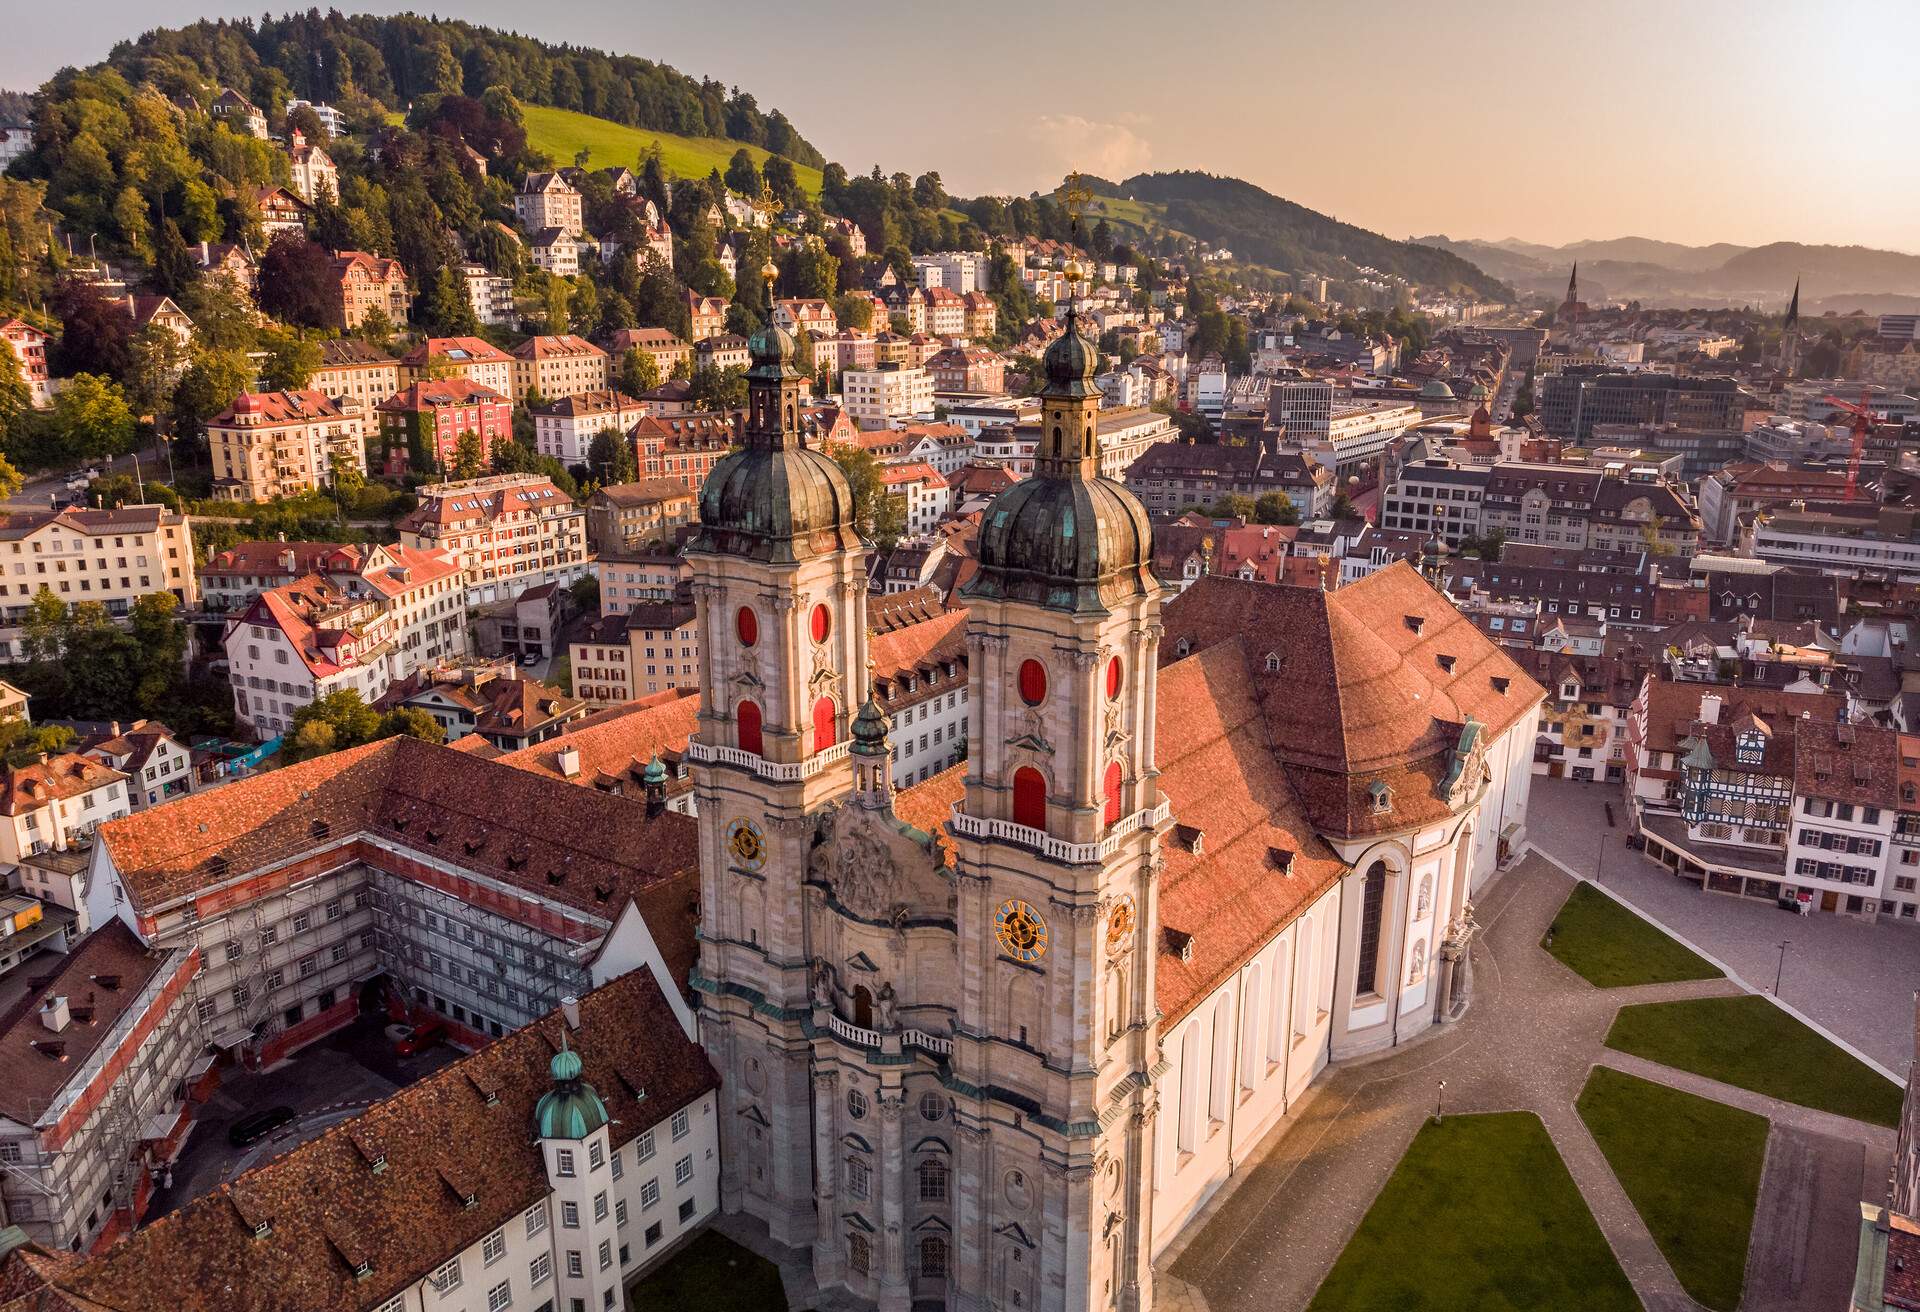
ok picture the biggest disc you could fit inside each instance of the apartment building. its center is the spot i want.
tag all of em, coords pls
(280, 444)
(629, 515)
(813, 315)
(1576, 507)
(922, 492)
(545, 200)
(157, 763)
(29, 347)
(668, 352)
(919, 677)
(355, 371)
(647, 647)
(422, 424)
(489, 294)
(565, 428)
(472, 358)
(234, 577)
(550, 1170)
(684, 447)
(1732, 496)
(1171, 476)
(507, 712)
(55, 803)
(315, 176)
(1436, 496)
(113, 557)
(722, 351)
(887, 394)
(1848, 540)
(707, 316)
(365, 283)
(633, 574)
(558, 366)
(556, 251)
(405, 609)
(509, 532)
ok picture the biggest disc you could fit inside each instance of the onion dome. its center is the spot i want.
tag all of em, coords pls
(1070, 363)
(869, 730)
(571, 1109)
(655, 775)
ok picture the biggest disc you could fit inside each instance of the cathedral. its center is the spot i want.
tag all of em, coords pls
(992, 1040)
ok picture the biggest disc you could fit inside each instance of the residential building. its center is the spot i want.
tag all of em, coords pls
(887, 394)
(55, 804)
(813, 315)
(1436, 496)
(472, 358)
(968, 369)
(508, 712)
(29, 346)
(558, 366)
(651, 647)
(158, 312)
(368, 283)
(240, 115)
(557, 251)
(919, 679)
(1851, 540)
(157, 763)
(946, 313)
(684, 446)
(721, 351)
(234, 577)
(564, 428)
(315, 176)
(983, 315)
(402, 611)
(669, 352)
(490, 295)
(330, 118)
(707, 314)
(509, 532)
(281, 211)
(422, 424)
(632, 574)
(546, 201)
(623, 516)
(1575, 507)
(229, 260)
(1731, 497)
(923, 494)
(16, 139)
(280, 444)
(960, 272)
(355, 371)
(113, 557)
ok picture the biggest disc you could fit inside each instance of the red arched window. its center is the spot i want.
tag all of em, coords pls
(1112, 788)
(1113, 677)
(1033, 682)
(747, 718)
(747, 625)
(823, 724)
(821, 623)
(1029, 798)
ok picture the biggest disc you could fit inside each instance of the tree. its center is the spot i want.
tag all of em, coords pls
(878, 515)
(814, 271)
(854, 310)
(448, 311)
(291, 360)
(506, 456)
(783, 184)
(713, 388)
(331, 721)
(1232, 505)
(90, 419)
(610, 457)
(410, 722)
(559, 291)
(639, 372)
(174, 269)
(96, 336)
(743, 176)
(1343, 507)
(469, 456)
(297, 282)
(16, 401)
(209, 386)
(1275, 508)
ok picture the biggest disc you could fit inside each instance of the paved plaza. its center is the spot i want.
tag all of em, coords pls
(1855, 980)
(1532, 1036)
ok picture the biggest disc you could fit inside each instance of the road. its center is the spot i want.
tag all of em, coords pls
(49, 489)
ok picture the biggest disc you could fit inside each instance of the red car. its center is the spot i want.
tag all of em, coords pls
(418, 1037)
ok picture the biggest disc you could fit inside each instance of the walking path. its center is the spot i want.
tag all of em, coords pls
(1531, 1038)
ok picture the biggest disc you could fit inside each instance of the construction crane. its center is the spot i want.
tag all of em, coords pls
(1862, 425)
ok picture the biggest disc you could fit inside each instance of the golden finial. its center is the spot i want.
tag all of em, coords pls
(1075, 196)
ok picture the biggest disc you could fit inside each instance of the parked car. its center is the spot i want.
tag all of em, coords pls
(418, 1037)
(251, 1129)
(530, 661)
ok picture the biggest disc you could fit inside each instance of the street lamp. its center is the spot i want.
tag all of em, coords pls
(1781, 967)
(1440, 1103)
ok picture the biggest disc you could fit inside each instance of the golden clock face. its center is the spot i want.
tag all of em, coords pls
(1021, 931)
(747, 844)
(1120, 923)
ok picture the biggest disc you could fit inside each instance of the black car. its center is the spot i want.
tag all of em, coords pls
(251, 1129)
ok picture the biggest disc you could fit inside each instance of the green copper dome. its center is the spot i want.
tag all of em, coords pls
(869, 731)
(1070, 362)
(1436, 389)
(655, 775)
(571, 1109)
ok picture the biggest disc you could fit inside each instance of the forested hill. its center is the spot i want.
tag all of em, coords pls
(1261, 228)
(364, 63)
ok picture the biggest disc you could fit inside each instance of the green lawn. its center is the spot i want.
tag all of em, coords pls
(1749, 1042)
(1480, 1214)
(1691, 1167)
(712, 1274)
(1610, 947)
(561, 132)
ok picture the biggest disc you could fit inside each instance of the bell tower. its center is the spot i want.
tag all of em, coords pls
(779, 582)
(1057, 851)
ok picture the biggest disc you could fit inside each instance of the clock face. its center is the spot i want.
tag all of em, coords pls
(1120, 924)
(1021, 931)
(747, 844)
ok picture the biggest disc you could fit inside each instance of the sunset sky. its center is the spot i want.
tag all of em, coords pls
(1698, 121)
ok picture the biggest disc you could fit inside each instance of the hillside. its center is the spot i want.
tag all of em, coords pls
(1262, 228)
(560, 133)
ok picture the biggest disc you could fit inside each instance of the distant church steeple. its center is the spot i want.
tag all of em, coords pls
(1793, 308)
(1573, 285)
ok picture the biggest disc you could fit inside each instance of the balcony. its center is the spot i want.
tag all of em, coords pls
(1058, 849)
(783, 771)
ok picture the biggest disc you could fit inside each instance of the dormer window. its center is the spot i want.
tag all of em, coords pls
(1380, 797)
(1273, 663)
(1750, 748)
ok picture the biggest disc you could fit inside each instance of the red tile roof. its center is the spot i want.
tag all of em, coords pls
(27, 788)
(457, 350)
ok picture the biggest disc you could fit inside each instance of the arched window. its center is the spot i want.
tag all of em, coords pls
(1112, 789)
(1182, 647)
(1220, 1070)
(1029, 798)
(1279, 1014)
(747, 724)
(820, 623)
(1250, 1026)
(1113, 677)
(1187, 1136)
(1033, 682)
(933, 1257)
(933, 1181)
(1373, 906)
(823, 724)
(1303, 988)
(746, 626)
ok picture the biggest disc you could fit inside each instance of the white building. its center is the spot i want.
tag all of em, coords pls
(56, 804)
(490, 295)
(565, 428)
(509, 532)
(113, 557)
(887, 395)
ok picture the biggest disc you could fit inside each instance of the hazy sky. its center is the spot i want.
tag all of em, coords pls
(1693, 120)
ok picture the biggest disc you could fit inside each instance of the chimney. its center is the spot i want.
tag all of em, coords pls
(570, 762)
(54, 1014)
(569, 1008)
(1710, 703)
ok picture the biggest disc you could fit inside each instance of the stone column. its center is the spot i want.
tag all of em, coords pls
(896, 1294)
(828, 1259)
